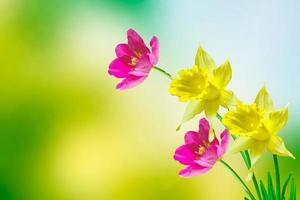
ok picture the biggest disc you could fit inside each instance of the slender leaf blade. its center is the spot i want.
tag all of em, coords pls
(293, 190)
(263, 190)
(271, 192)
(285, 186)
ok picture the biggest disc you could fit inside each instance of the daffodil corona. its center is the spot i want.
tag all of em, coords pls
(258, 125)
(203, 86)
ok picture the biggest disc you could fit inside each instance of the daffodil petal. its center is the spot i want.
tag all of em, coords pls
(277, 120)
(193, 108)
(240, 144)
(211, 107)
(228, 99)
(261, 133)
(277, 146)
(203, 60)
(222, 75)
(256, 150)
(264, 101)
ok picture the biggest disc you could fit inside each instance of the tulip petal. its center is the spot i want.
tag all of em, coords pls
(222, 75)
(136, 43)
(225, 139)
(185, 154)
(264, 101)
(277, 120)
(209, 158)
(195, 170)
(204, 129)
(143, 67)
(123, 50)
(154, 50)
(203, 60)
(277, 146)
(215, 140)
(130, 82)
(192, 137)
(118, 69)
(205, 163)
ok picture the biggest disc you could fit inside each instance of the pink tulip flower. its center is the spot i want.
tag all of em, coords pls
(134, 60)
(198, 153)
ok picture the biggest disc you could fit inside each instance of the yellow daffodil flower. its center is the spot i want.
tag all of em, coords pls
(257, 125)
(203, 86)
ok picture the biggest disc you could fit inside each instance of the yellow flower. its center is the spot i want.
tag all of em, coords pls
(191, 84)
(203, 86)
(257, 125)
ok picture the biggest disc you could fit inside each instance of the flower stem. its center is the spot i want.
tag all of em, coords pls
(277, 174)
(219, 117)
(163, 72)
(248, 164)
(247, 160)
(245, 187)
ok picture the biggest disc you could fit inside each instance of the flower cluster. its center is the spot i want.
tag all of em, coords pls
(254, 127)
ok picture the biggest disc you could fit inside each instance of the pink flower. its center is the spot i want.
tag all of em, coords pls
(134, 60)
(198, 153)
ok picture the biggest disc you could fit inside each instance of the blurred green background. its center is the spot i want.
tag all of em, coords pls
(66, 133)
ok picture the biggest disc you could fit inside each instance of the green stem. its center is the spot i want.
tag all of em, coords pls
(219, 117)
(247, 160)
(245, 187)
(255, 183)
(163, 72)
(277, 174)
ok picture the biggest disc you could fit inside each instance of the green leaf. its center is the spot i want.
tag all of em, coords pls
(263, 190)
(245, 198)
(256, 187)
(285, 186)
(247, 159)
(271, 192)
(293, 190)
